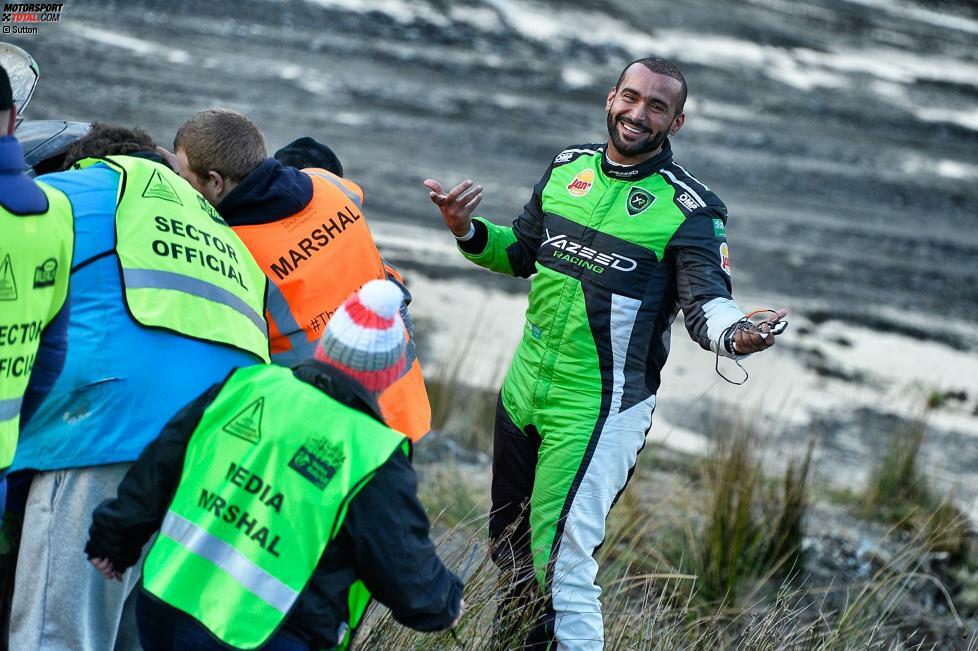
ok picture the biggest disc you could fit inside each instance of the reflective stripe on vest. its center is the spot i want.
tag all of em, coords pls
(280, 314)
(268, 474)
(35, 262)
(183, 268)
(314, 260)
(157, 279)
(339, 183)
(254, 579)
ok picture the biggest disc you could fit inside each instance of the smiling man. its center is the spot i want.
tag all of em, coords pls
(618, 238)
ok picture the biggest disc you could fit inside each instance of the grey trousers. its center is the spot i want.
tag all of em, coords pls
(61, 602)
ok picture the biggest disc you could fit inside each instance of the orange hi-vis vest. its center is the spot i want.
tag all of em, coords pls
(314, 260)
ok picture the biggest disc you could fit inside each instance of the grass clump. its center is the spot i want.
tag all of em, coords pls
(456, 499)
(660, 610)
(897, 488)
(898, 492)
(708, 560)
(750, 528)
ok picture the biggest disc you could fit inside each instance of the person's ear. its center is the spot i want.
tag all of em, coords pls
(12, 122)
(610, 98)
(215, 180)
(677, 124)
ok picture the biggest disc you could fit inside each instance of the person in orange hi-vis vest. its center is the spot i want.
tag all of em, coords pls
(307, 232)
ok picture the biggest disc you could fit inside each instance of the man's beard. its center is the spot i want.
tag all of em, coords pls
(647, 146)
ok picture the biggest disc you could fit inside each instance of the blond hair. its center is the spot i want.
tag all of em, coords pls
(221, 140)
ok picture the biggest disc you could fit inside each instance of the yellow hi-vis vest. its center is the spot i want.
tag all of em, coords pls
(35, 262)
(267, 478)
(183, 268)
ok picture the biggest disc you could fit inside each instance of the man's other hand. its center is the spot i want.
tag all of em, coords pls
(169, 157)
(759, 337)
(104, 566)
(456, 205)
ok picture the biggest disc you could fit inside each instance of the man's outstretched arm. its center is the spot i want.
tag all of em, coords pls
(507, 249)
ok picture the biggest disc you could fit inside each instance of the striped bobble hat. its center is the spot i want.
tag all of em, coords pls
(366, 337)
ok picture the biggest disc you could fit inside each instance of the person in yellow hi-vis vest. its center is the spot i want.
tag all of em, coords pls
(283, 504)
(36, 237)
(165, 301)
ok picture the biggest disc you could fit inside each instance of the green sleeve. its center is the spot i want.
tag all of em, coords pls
(494, 254)
(510, 249)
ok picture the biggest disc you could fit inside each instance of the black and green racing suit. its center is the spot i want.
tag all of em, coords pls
(614, 252)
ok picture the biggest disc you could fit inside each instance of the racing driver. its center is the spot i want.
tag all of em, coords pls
(618, 237)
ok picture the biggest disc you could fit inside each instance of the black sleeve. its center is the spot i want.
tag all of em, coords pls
(477, 243)
(701, 256)
(121, 526)
(393, 554)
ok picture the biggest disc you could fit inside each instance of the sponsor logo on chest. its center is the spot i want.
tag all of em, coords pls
(581, 184)
(638, 200)
(583, 256)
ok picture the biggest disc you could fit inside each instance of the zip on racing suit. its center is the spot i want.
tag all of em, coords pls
(615, 252)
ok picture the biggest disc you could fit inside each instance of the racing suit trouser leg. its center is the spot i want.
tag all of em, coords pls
(514, 463)
(580, 474)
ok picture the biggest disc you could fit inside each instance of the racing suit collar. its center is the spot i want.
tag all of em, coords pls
(640, 171)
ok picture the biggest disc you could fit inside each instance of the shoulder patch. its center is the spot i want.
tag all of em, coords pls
(572, 153)
(691, 193)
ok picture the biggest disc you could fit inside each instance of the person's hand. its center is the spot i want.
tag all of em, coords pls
(456, 205)
(104, 566)
(461, 611)
(759, 337)
(169, 157)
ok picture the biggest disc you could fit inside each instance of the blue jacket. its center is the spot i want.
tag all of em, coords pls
(121, 382)
(20, 195)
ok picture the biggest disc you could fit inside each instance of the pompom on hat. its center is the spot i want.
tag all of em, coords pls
(366, 338)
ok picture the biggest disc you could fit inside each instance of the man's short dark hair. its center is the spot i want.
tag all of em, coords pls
(306, 152)
(109, 140)
(6, 92)
(660, 67)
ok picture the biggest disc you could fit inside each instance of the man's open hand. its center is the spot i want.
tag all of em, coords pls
(456, 205)
(758, 338)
